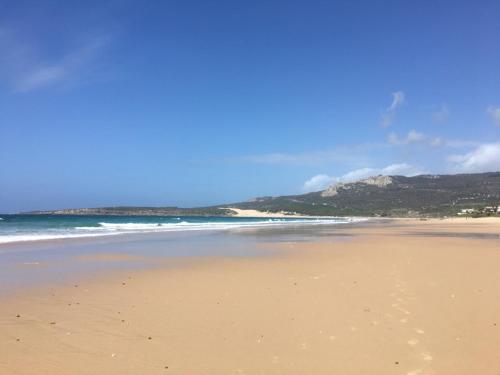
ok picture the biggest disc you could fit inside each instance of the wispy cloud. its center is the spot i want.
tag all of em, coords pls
(413, 137)
(398, 98)
(441, 115)
(402, 169)
(39, 78)
(351, 155)
(457, 143)
(318, 182)
(322, 181)
(494, 113)
(484, 158)
(355, 155)
(25, 70)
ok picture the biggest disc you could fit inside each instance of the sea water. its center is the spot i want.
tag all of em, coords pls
(38, 249)
(21, 228)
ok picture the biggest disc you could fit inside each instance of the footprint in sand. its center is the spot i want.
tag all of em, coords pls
(404, 311)
(426, 356)
(317, 277)
(413, 342)
(419, 331)
(414, 372)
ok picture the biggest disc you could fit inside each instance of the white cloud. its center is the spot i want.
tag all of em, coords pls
(436, 142)
(412, 137)
(494, 113)
(70, 67)
(41, 77)
(398, 98)
(358, 174)
(441, 115)
(418, 138)
(485, 158)
(402, 169)
(322, 181)
(318, 182)
(351, 155)
(457, 143)
(25, 68)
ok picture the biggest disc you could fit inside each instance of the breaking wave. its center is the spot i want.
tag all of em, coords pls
(104, 228)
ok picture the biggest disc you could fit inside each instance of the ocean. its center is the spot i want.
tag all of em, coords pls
(22, 228)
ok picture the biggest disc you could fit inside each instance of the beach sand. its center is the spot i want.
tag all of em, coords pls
(400, 297)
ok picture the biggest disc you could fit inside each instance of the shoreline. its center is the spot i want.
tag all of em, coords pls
(25, 263)
(384, 301)
(178, 227)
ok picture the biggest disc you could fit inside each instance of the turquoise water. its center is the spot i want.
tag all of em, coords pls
(21, 228)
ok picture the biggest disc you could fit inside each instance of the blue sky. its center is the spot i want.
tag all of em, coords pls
(193, 103)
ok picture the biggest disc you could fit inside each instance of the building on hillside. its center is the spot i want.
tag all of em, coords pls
(467, 211)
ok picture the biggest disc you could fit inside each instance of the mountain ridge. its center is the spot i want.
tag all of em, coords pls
(394, 196)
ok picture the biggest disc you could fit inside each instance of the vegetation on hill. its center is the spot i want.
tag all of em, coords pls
(396, 196)
(140, 211)
(424, 195)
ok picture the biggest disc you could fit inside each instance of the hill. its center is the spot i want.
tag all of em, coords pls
(419, 196)
(424, 195)
(138, 211)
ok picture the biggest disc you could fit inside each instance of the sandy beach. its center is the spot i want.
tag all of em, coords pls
(398, 297)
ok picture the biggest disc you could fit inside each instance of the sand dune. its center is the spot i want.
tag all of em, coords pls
(256, 213)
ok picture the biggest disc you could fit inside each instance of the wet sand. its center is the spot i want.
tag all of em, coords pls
(398, 297)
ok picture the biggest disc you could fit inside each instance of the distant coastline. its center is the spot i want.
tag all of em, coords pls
(153, 211)
(475, 194)
(136, 211)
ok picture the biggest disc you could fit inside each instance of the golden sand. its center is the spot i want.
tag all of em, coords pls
(405, 297)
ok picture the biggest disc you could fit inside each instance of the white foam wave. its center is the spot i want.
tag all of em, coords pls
(41, 237)
(183, 225)
(106, 228)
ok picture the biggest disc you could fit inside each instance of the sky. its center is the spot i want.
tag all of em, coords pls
(192, 103)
